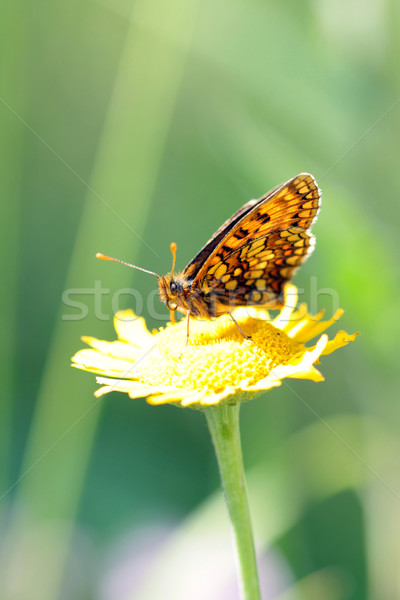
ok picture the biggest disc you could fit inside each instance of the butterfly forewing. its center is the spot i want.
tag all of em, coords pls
(194, 265)
(257, 251)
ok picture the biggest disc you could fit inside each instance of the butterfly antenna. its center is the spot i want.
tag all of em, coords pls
(105, 257)
(173, 247)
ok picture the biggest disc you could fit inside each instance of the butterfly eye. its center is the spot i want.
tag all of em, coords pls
(173, 288)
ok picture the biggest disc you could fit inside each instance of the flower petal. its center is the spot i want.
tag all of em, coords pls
(315, 327)
(116, 349)
(302, 367)
(212, 398)
(135, 389)
(284, 317)
(184, 397)
(263, 385)
(132, 329)
(341, 339)
(95, 362)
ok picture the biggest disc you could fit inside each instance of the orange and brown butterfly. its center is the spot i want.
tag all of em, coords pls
(250, 258)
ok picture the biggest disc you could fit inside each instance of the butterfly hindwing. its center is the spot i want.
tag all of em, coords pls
(255, 273)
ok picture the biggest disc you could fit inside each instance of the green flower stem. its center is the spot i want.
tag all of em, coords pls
(223, 422)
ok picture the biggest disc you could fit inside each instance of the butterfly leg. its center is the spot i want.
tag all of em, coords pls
(187, 334)
(246, 337)
(187, 329)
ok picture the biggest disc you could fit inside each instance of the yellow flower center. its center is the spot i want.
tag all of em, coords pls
(217, 356)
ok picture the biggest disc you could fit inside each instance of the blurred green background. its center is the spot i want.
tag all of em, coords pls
(126, 125)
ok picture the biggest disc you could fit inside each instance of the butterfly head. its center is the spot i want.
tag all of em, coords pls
(171, 290)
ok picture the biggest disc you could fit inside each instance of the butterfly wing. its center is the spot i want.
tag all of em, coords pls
(194, 266)
(252, 258)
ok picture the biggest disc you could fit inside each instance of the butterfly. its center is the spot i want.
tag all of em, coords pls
(251, 257)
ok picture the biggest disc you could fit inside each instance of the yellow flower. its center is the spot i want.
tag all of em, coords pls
(218, 365)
